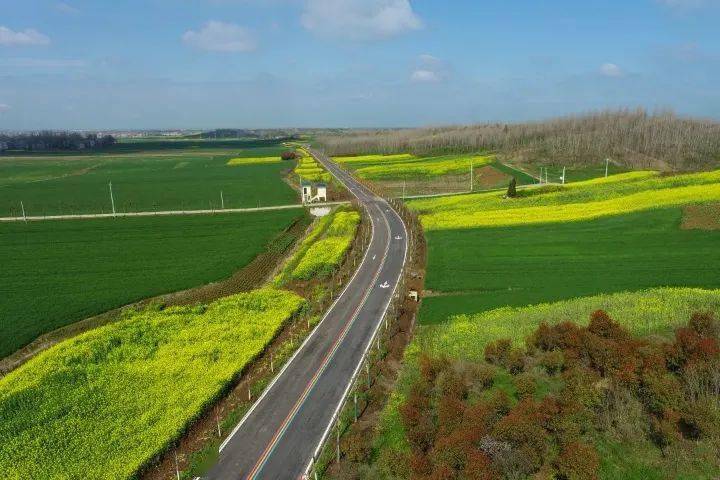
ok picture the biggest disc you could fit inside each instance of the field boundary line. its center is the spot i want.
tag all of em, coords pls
(167, 213)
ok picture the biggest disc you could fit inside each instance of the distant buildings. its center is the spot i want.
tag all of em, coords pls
(53, 141)
(306, 189)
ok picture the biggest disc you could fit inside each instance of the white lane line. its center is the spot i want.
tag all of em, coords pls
(307, 339)
(367, 347)
(316, 378)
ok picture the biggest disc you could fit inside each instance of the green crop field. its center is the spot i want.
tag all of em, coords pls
(552, 243)
(57, 272)
(145, 176)
(105, 403)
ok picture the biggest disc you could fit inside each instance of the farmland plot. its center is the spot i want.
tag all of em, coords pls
(144, 177)
(605, 235)
(105, 403)
(57, 272)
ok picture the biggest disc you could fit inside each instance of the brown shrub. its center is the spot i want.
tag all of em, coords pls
(497, 352)
(479, 467)
(450, 413)
(661, 392)
(525, 385)
(450, 383)
(705, 324)
(419, 464)
(523, 428)
(553, 361)
(484, 374)
(565, 336)
(664, 428)
(603, 326)
(578, 461)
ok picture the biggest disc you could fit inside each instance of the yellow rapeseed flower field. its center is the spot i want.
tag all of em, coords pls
(587, 200)
(105, 403)
(373, 158)
(385, 167)
(253, 160)
(325, 254)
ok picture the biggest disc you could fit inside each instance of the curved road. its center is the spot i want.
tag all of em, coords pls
(282, 432)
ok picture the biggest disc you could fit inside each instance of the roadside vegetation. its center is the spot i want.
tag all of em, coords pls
(110, 402)
(310, 170)
(479, 395)
(105, 403)
(323, 248)
(544, 389)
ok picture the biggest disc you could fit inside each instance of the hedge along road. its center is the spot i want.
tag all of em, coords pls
(280, 435)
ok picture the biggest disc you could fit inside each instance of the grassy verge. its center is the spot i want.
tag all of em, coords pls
(323, 249)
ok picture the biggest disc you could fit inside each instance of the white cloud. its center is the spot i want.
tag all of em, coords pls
(360, 19)
(688, 4)
(41, 63)
(217, 36)
(429, 69)
(65, 8)
(27, 37)
(425, 76)
(611, 70)
(428, 59)
(4, 107)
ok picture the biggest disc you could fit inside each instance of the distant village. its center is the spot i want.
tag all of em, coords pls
(54, 141)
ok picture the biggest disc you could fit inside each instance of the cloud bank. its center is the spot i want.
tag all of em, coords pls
(360, 19)
(24, 38)
(215, 36)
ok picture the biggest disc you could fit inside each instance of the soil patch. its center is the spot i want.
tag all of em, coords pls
(701, 217)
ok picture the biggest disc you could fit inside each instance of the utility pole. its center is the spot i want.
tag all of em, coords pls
(471, 175)
(222, 201)
(404, 188)
(112, 200)
(607, 164)
(23, 211)
(177, 467)
(563, 177)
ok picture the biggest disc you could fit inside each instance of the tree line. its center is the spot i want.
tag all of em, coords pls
(633, 138)
(54, 141)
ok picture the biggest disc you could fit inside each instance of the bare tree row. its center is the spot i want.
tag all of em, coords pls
(630, 137)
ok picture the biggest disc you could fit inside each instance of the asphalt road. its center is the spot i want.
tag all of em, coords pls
(281, 433)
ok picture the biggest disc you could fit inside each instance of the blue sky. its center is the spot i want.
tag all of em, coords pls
(100, 64)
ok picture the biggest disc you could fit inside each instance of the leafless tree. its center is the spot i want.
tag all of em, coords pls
(633, 138)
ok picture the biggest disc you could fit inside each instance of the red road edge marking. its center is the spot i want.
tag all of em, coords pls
(263, 458)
